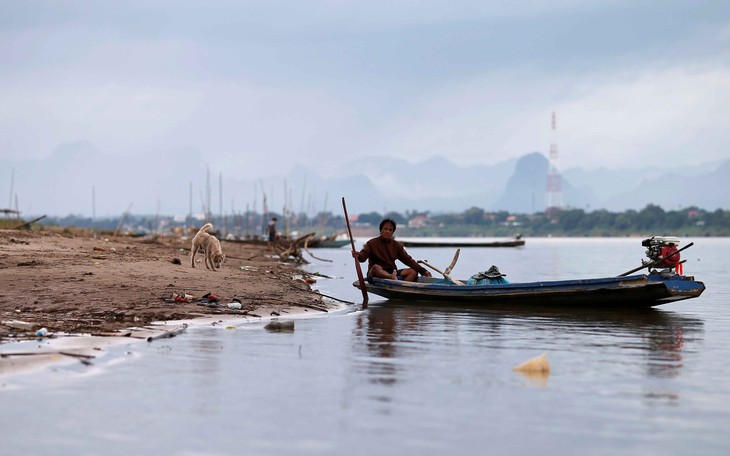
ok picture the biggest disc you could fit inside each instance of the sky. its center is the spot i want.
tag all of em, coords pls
(258, 86)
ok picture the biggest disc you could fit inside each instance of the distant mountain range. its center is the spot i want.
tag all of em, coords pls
(177, 181)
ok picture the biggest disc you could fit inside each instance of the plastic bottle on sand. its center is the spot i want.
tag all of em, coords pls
(17, 324)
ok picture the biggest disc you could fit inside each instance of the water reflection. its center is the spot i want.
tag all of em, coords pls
(384, 328)
(659, 336)
(656, 340)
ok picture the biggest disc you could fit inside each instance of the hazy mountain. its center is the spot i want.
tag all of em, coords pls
(525, 191)
(674, 191)
(179, 181)
(436, 184)
(433, 178)
(62, 184)
(606, 184)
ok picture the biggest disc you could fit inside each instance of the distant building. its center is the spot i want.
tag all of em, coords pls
(419, 221)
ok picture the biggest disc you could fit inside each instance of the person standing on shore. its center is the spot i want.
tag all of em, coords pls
(272, 232)
(382, 252)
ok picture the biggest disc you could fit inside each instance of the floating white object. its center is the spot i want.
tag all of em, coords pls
(536, 364)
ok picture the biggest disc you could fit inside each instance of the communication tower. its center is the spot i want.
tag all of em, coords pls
(554, 191)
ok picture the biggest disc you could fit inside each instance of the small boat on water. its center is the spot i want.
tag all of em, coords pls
(333, 241)
(327, 244)
(436, 242)
(641, 290)
(663, 284)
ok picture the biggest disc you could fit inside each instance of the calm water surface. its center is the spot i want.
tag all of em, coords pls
(425, 380)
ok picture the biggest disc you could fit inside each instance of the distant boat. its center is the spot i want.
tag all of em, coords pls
(440, 242)
(328, 244)
(333, 241)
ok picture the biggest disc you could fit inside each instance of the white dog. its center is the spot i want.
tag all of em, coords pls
(211, 248)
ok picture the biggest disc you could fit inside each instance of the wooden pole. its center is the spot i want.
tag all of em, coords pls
(445, 274)
(220, 203)
(357, 262)
(12, 184)
(93, 212)
(121, 220)
(453, 262)
(27, 224)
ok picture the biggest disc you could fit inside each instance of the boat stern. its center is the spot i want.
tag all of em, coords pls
(678, 287)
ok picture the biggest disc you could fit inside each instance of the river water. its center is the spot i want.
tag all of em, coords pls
(394, 379)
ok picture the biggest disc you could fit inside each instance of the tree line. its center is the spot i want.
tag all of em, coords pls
(472, 222)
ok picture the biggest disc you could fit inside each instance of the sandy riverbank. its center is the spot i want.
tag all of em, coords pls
(70, 282)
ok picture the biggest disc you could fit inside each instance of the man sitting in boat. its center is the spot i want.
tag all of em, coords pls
(381, 253)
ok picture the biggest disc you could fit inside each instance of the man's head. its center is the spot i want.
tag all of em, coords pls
(387, 228)
(388, 220)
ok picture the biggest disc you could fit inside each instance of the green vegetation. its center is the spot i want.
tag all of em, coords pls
(9, 223)
(651, 220)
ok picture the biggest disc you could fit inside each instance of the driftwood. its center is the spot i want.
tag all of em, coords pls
(166, 334)
(112, 334)
(336, 299)
(319, 274)
(309, 306)
(294, 250)
(306, 248)
(297, 304)
(27, 224)
(75, 355)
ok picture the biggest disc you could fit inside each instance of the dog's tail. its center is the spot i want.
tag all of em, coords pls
(206, 228)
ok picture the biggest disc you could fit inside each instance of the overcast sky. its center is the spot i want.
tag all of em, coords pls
(253, 84)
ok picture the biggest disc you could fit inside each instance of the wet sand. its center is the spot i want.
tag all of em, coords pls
(69, 281)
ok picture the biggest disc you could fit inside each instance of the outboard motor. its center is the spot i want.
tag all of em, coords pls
(659, 249)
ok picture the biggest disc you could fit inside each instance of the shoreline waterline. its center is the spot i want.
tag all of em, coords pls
(28, 356)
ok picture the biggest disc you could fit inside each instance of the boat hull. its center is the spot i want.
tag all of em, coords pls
(428, 243)
(645, 290)
(327, 244)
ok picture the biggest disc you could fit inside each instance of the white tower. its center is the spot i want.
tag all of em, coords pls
(554, 191)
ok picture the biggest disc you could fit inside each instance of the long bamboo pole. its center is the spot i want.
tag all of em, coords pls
(357, 262)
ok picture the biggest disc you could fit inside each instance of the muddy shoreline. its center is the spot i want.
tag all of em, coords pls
(70, 281)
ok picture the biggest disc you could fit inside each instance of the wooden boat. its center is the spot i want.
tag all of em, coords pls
(641, 290)
(327, 243)
(332, 241)
(436, 242)
(258, 242)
